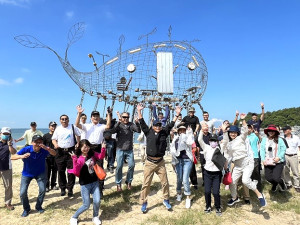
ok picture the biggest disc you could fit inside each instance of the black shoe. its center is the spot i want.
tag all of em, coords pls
(207, 210)
(233, 201)
(247, 202)
(70, 194)
(41, 210)
(219, 212)
(289, 187)
(282, 185)
(47, 189)
(274, 188)
(195, 187)
(63, 193)
(111, 170)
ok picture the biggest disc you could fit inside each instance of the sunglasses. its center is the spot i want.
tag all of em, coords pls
(125, 117)
(64, 119)
(157, 125)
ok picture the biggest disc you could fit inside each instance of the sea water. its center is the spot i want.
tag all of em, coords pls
(16, 133)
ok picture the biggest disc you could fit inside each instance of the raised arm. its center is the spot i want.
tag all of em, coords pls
(167, 112)
(108, 118)
(154, 111)
(79, 112)
(143, 125)
(236, 117)
(244, 129)
(262, 116)
(171, 125)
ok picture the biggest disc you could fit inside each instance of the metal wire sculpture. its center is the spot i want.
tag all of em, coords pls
(131, 75)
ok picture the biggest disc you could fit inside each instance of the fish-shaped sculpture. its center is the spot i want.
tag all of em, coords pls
(164, 72)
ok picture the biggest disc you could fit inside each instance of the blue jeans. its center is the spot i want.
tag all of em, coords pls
(121, 155)
(86, 191)
(110, 154)
(25, 181)
(183, 170)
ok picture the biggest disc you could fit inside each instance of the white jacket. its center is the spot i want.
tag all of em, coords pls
(184, 143)
(235, 149)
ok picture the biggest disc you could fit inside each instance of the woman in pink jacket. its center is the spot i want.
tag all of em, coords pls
(84, 160)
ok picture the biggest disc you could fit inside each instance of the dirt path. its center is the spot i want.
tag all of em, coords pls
(123, 208)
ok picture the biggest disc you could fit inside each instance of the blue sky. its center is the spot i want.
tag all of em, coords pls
(251, 49)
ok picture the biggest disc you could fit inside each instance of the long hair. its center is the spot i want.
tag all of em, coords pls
(81, 144)
(276, 137)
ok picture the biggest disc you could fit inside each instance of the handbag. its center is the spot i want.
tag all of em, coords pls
(101, 174)
(227, 179)
(270, 161)
(218, 159)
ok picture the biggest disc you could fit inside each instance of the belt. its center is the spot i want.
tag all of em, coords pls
(67, 149)
(154, 160)
(290, 154)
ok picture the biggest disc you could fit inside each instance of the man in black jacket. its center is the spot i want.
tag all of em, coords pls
(156, 147)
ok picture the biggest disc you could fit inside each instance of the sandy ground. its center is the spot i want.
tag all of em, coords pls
(123, 208)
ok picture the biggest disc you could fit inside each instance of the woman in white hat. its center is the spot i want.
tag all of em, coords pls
(182, 161)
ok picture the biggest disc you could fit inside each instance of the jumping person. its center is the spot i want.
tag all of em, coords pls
(234, 147)
(124, 130)
(64, 140)
(257, 122)
(34, 158)
(182, 161)
(212, 174)
(83, 161)
(272, 152)
(93, 132)
(7, 148)
(156, 148)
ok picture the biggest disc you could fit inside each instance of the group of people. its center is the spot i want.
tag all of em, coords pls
(71, 150)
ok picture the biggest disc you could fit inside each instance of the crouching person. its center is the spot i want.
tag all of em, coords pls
(34, 158)
(84, 160)
(155, 149)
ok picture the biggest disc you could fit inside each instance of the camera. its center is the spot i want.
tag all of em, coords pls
(270, 149)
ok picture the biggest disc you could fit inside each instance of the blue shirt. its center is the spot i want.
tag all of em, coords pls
(34, 165)
(253, 141)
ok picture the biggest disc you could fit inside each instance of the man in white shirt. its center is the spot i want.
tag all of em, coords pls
(64, 140)
(29, 134)
(208, 122)
(291, 159)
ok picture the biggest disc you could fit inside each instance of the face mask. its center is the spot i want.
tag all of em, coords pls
(5, 137)
(213, 144)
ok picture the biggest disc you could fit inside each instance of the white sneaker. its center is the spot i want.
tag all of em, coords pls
(188, 203)
(179, 197)
(96, 221)
(73, 221)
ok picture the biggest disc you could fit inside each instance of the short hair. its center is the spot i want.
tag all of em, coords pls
(160, 113)
(254, 114)
(63, 115)
(126, 113)
(226, 121)
(83, 115)
(204, 112)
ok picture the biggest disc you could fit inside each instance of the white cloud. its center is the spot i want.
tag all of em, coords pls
(25, 70)
(19, 80)
(69, 14)
(21, 3)
(4, 82)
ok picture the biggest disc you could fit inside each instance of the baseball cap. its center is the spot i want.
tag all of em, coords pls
(191, 109)
(157, 123)
(52, 123)
(95, 113)
(37, 137)
(5, 130)
(33, 124)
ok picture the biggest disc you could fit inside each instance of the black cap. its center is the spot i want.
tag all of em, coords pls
(213, 138)
(36, 137)
(33, 124)
(157, 122)
(95, 113)
(52, 123)
(286, 128)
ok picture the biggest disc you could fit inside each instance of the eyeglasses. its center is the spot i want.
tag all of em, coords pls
(157, 125)
(125, 117)
(64, 119)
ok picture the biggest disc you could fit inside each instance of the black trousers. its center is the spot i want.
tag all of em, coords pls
(51, 169)
(193, 175)
(256, 174)
(97, 148)
(63, 162)
(273, 174)
(212, 180)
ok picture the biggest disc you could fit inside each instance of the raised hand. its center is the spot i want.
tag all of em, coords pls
(140, 107)
(224, 127)
(243, 116)
(103, 145)
(262, 105)
(237, 113)
(79, 109)
(153, 103)
(178, 109)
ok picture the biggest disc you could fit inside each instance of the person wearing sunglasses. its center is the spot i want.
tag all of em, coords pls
(64, 140)
(155, 148)
(124, 130)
